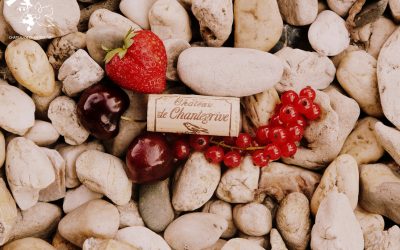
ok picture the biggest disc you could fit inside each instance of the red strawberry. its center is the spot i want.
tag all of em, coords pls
(140, 65)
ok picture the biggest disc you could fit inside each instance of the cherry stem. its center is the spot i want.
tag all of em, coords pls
(222, 144)
(125, 118)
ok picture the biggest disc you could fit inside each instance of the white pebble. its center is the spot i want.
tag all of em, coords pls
(79, 72)
(17, 110)
(42, 133)
(62, 113)
(328, 34)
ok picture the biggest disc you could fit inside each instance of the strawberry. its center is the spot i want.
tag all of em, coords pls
(140, 65)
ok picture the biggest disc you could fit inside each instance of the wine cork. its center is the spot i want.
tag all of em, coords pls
(194, 114)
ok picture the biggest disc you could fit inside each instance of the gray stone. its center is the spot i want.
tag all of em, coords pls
(155, 205)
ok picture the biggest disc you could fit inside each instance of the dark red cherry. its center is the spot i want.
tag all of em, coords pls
(149, 158)
(100, 108)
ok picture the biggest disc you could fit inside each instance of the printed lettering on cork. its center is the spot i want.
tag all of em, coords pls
(194, 114)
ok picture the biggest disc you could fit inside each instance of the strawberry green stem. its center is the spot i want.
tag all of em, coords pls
(128, 41)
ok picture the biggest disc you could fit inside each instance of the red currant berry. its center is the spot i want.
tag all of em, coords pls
(255, 143)
(275, 120)
(232, 159)
(295, 132)
(259, 158)
(288, 114)
(181, 149)
(288, 149)
(243, 140)
(273, 152)
(314, 113)
(278, 107)
(304, 105)
(229, 140)
(214, 154)
(289, 97)
(299, 121)
(278, 135)
(262, 135)
(199, 142)
(308, 92)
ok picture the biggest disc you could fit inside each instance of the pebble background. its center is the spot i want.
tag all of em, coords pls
(61, 189)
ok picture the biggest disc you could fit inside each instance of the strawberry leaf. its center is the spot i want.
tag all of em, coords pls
(120, 51)
(128, 40)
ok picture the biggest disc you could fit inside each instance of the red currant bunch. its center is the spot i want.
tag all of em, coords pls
(277, 139)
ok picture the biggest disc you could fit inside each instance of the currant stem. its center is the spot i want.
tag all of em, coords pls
(222, 144)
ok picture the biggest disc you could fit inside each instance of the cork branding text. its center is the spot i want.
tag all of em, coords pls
(194, 114)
